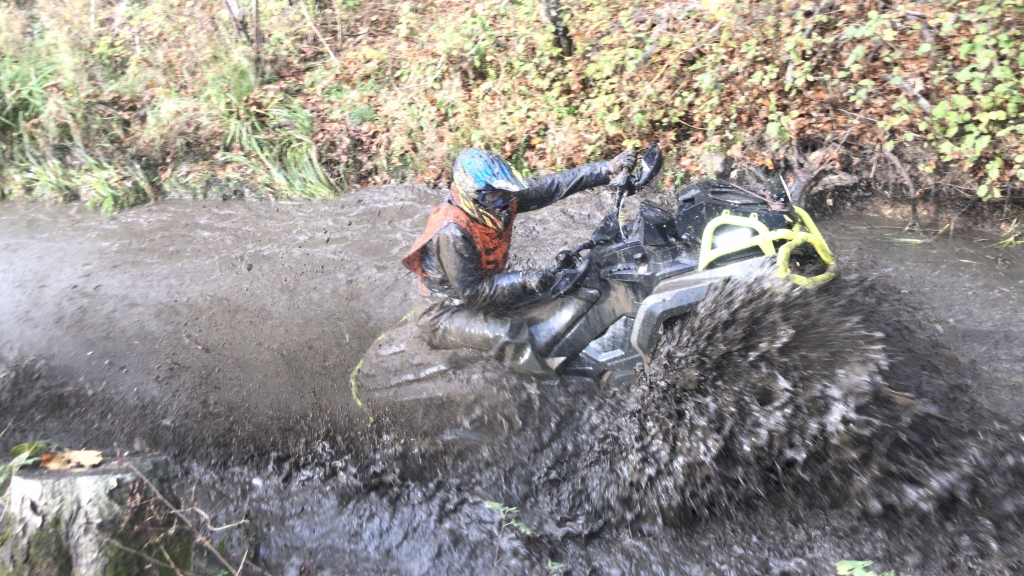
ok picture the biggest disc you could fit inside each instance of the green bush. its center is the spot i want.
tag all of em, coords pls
(364, 92)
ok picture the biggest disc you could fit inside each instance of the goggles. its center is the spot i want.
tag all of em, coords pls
(494, 198)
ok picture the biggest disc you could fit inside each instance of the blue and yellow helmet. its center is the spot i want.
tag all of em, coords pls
(478, 173)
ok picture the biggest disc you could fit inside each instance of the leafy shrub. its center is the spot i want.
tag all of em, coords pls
(342, 93)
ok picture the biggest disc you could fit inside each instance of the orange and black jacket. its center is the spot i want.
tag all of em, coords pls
(466, 262)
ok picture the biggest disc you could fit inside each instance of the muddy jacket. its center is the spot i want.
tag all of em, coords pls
(459, 258)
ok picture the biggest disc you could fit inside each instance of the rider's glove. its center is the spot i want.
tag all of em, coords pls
(541, 279)
(624, 161)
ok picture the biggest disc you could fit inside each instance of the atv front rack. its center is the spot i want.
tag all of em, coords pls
(804, 231)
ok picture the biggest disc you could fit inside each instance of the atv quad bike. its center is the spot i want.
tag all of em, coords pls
(602, 318)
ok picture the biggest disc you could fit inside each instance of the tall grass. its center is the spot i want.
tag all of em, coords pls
(22, 91)
(100, 100)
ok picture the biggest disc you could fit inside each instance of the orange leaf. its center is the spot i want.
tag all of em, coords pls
(72, 459)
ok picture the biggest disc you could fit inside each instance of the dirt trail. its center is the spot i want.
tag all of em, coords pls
(255, 313)
(247, 316)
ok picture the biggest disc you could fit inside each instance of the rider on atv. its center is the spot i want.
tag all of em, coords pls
(465, 292)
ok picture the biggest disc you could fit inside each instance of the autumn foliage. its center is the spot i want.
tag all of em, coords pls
(312, 98)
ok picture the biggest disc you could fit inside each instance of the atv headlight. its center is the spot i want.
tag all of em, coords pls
(728, 236)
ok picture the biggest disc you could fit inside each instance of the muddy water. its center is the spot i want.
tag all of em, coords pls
(878, 420)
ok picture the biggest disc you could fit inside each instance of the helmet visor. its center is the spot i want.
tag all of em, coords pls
(494, 198)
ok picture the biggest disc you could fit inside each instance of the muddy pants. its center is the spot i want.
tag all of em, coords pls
(447, 326)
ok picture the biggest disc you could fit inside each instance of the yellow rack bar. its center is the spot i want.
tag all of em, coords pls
(765, 240)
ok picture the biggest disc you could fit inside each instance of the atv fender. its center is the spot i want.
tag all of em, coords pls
(676, 296)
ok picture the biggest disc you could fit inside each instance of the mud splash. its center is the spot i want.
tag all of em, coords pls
(768, 391)
(776, 432)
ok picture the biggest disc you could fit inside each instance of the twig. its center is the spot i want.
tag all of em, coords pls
(337, 20)
(766, 198)
(206, 517)
(242, 565)
(147, 557)
(858, 115)
(751, 141)
(952, 223)
(302, 4)
(257, 37)
(234, 19)
(824, 160)
(906, 87)
(11, 423)
(497, 547)
(188, 523)
(804, 176)
(170, 561)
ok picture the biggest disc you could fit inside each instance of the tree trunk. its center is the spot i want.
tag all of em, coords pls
(551, 11)
(257, 37)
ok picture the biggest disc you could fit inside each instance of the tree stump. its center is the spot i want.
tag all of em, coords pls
(80, 522)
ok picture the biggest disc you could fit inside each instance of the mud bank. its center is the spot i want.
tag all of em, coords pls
(224, 333)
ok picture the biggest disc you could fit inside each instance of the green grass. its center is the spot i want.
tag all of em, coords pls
(858, 568)
(102, 105)
(22, 91)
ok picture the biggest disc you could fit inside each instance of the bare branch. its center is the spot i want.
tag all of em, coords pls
(911, 91)
(147, 557)
(902, 170)
(305, 12)
(257, 37)
(551, 12)
(242, 565)
(205, 542)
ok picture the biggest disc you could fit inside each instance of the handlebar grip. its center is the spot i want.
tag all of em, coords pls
(564, 259)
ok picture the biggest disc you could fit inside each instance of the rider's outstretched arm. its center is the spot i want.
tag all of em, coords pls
(546, 190)
(460, 264)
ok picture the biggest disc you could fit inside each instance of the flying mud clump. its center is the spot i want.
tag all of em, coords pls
(766, 390)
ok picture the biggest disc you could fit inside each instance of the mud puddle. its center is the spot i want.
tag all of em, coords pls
(151, 330)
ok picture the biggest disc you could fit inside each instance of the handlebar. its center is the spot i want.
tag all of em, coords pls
(626, 182)
(566, 259)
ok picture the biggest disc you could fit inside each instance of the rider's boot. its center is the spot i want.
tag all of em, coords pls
(504, 339)
(517, 353)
